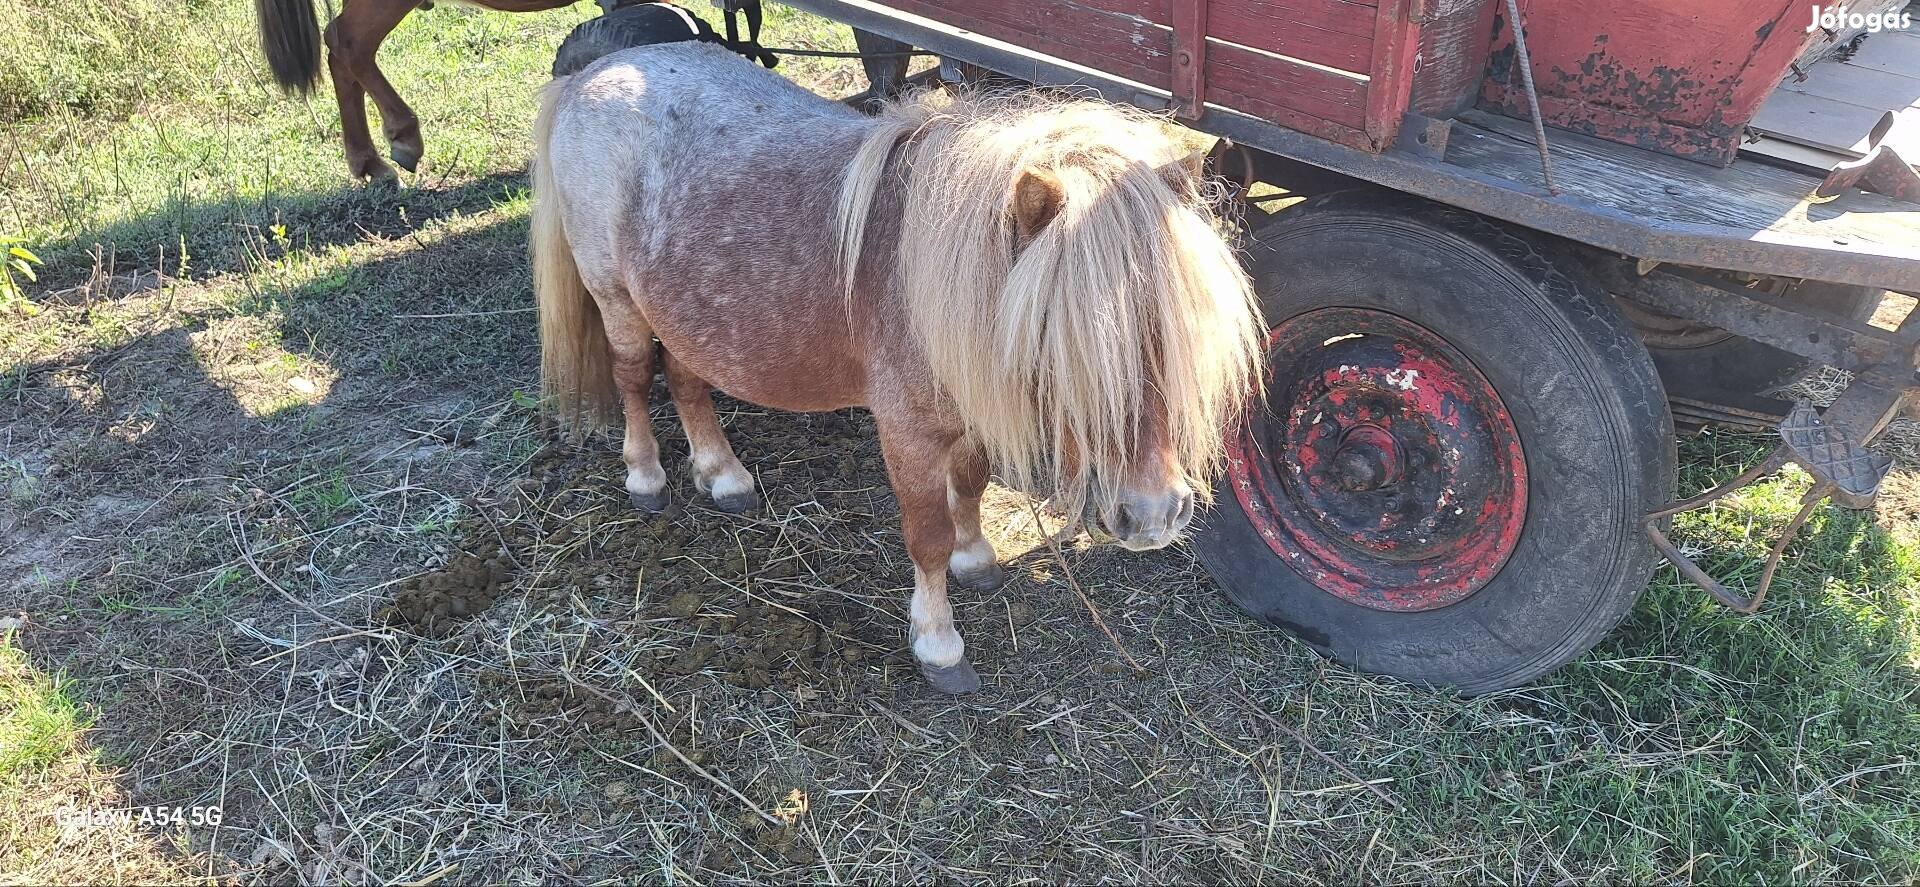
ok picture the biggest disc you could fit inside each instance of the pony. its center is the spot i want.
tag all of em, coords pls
(1019, 283)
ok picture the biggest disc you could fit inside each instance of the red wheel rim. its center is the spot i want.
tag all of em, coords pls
(1382, 466)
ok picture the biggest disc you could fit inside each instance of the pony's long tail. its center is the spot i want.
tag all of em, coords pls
(290, 39)
(576, 363)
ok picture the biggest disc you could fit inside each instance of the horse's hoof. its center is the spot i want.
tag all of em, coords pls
(738, 503)
(407, 156)
(987, 578)
(371, 170)
(953, 680)
(651, 503)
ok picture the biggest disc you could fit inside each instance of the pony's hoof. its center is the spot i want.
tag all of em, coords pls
(651, 503)
(738, 503)
(987, 578)
(953, 680)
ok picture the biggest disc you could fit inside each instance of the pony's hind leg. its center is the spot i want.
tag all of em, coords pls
(974, 563)
(633, 363)
(716, 469)
(917, 467)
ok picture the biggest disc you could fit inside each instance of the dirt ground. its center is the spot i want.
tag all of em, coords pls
(368, 607)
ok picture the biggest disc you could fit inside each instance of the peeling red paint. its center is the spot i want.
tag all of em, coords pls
(1679, 78)
(1384, 468)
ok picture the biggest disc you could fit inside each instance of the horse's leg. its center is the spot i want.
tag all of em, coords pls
(716, 470)
(633, 353)
(363, 162)
(917, 467)
(973, 562)
(362, 25)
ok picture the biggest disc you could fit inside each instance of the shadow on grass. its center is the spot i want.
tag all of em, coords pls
(256, 375)
(198, 239)
(137, 450)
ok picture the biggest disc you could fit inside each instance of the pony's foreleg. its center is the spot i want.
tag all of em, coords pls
(917, 466)
(361, 27)
(974, 563)
(716, 470)
(363, 162)
(633, 355)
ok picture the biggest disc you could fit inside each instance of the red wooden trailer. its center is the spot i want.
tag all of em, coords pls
(1529, 250)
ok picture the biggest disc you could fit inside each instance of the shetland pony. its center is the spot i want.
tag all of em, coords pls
(1028, 285)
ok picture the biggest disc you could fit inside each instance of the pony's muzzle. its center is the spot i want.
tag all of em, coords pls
(1143, 520)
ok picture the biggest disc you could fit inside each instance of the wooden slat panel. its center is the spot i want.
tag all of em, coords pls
(1273, 27)
(1308, 99)
(1127, 46)
(1350, 17)
(1335, 33)
(1126, 38)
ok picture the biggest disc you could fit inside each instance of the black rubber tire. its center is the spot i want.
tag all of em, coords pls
(1582, 393)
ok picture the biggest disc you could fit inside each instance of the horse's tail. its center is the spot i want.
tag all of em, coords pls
(576, 362)
(290, 38)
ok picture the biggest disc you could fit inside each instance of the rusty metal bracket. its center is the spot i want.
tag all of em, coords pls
(1810, 332)
(1423, 135)
(1189, 58)
(1842, 470)
(1883, 170)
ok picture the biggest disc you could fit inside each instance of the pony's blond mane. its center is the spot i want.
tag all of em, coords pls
(1129, 300)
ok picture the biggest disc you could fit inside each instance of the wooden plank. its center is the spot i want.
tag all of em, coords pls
(1294, 95)
(1854, 85)
(1819, 122)
(1396, 43)
(1813, 161)
(1335, 33)
(1131, 47)
(1351, 17)
(1317, 31)
(1895, 52)
(1768, 204)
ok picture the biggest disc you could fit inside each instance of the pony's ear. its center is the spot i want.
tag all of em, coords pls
(1183, 175)
(1037, 197)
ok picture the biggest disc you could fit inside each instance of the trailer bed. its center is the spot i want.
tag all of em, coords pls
(1632, 201)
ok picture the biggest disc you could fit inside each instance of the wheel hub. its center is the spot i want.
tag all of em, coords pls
(1383, 466)
(1368, 459)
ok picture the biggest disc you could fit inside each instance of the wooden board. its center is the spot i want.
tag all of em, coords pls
(1895, 56)
(1839, 101)
(1304, 64)
(1766, 203)
(1793, 155)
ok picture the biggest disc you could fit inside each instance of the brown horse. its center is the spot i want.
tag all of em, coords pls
(1022, 284)
(290, 36)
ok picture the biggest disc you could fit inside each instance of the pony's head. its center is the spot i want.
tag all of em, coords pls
(1067, 278)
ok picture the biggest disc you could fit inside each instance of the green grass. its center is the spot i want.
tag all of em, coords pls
(1767, 749)
(1694, 745)
(40, 723)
